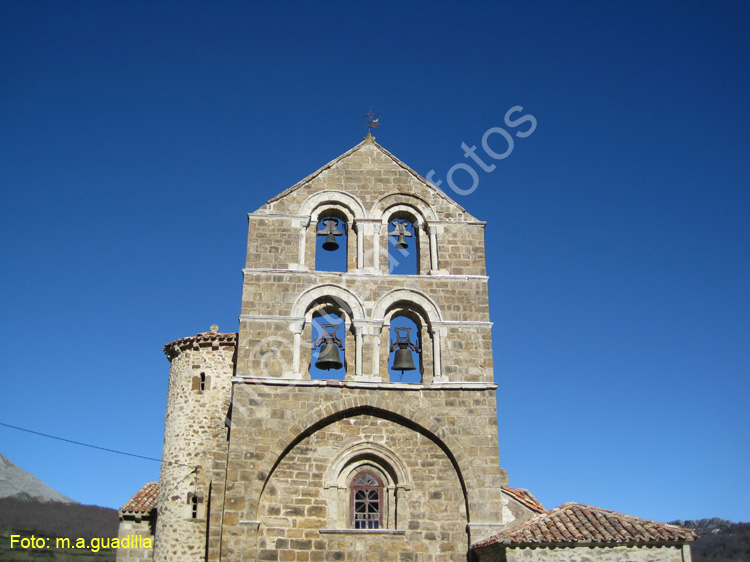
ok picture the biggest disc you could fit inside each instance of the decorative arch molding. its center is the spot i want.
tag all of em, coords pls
(355, 406)
(399, 208)
(348, 301)
(424, 215)
(333, 198)
(349, 304)
(425, 308)
(351, 210)
(412, 296)
(336, 472)
(424, 211)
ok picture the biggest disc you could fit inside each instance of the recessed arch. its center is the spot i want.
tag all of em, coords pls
(322, 299)
(335, 474)
(404, 233)
(424, 313)
(347, 209)
(355, 406)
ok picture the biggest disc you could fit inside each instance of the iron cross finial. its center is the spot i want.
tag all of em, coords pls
(373, 122)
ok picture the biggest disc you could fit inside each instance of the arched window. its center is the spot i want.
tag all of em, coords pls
(328, 358)
(405, 360)
(366, 501)
(331, 245)
(403, 246)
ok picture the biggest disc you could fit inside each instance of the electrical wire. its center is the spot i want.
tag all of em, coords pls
(96, 446)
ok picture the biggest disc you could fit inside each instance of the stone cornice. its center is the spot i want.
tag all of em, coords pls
(356, 273)
(378, 385)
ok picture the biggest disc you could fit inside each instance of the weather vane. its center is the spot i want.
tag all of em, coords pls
(373, 122)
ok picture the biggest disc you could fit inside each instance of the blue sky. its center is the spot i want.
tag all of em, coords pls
(137, 135)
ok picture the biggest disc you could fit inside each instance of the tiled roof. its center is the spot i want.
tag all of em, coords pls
(574, 523)
(203, 339)
(144, 499)
(526, 498)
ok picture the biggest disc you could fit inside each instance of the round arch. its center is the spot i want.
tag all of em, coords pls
(335, 472)
(335, 199)
(348, 301)
(417, 205)
(411, 296)
(350, 407)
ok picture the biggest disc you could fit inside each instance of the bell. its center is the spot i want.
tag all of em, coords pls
(401, 243)
(329, 358)
(402, 361)
(330, 244)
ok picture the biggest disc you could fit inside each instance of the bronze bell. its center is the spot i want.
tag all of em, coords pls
(330, 244)
(329, 357)
(403, 347)
(401, 233)
(402, 360)
(330, 232)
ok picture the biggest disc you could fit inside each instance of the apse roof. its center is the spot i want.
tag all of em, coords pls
(576, 523)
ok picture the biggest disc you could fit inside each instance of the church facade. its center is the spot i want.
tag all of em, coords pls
(353, 416)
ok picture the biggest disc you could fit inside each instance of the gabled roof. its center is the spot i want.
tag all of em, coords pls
(367, 141)
(526, 498)
(576, 523)
(143, 501)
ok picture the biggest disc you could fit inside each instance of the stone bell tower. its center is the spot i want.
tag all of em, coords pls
(352, 463)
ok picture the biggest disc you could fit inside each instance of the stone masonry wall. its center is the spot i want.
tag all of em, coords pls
(466, 345)
(458, 427)
(132, 527)
(295, 508)
(368, 173)
(585, 553)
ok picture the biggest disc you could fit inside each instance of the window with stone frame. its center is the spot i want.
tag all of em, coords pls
(195, 508)
(366, 501)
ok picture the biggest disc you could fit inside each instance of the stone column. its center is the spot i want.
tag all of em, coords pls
(360, 243)
(358, 329)
(437, 369)
(302, 223)
(296, 329)
(432, 229)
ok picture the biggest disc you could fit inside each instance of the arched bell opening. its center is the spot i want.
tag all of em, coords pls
(331, 342)
(334, 248)
(407, 345)
(403, 237)
(403, 244)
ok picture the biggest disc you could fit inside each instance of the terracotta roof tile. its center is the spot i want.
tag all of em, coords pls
(144, 499)
(203, 339)
(526, 498)
(578, 523)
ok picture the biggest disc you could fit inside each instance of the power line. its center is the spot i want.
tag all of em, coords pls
(94, 446)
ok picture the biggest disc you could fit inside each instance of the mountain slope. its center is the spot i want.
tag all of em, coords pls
(720, 540)
(15, 482)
